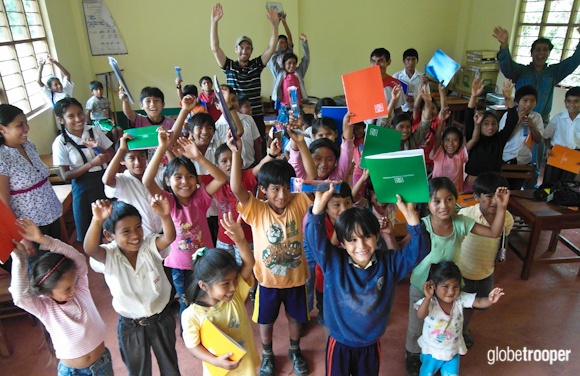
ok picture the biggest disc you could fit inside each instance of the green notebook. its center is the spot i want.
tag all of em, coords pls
(401, 172)
(143, 138)
(105, 125)
(379, 140)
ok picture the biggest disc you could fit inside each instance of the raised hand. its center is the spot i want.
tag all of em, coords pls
(29, 230)
(217, 13)
(101, 209)
(164, 137)
(397, 90)
(429, 289)
(160, 205)
(386, 227)
(235, 146)
(233, 228)
(188, 103)
(508, 88)
(495, 294)
(303, 38)
(501, 34)
(476, 87)
(273, 16)
(122, 94)
(123, 141)
(321, 200)
(275, 147)
(189, 149)
(477, 117)
(503, 196)
(444, 114)
(408, 210)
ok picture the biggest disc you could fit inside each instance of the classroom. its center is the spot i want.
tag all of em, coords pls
(162, 35)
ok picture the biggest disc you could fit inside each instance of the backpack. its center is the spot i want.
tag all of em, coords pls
(565, 193)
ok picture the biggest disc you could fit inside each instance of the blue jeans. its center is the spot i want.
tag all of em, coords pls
(102, 367)
(181, 280)
(232, 250)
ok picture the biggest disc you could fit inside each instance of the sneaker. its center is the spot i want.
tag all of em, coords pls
(468, 339)
(267, 366)
(300, 367)
(412, 363)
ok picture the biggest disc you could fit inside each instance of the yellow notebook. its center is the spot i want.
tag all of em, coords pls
(219, 343)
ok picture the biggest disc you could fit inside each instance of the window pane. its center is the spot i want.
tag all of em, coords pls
(36, 100)
(9, 67)
(30, 6)
(533, 11)
(24, 49)
(19, 32)
(37, 32)
(12, 6)
(40, 47)
(7, 53)
(33, 19)
(5, 34)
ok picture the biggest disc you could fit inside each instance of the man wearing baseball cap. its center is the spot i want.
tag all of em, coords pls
(244, 74)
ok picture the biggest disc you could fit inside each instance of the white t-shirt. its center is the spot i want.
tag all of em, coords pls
(564, 131)
(413, 85)
(68, 155)
(251, 133)
(516, 146)
(53, 97)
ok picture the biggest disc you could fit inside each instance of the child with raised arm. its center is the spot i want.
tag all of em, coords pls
(219, 289)
(56, 290)
(285, 44)
(441, 309)
(281, 268)
(54, 90)
(133, 269)
(128, 185)
(152, 101)
(363, 275)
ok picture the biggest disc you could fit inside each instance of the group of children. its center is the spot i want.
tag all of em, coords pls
(336, 247)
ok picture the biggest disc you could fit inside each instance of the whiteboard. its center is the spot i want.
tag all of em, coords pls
(104, 37)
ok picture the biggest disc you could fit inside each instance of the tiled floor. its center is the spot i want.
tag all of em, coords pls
(542, 313)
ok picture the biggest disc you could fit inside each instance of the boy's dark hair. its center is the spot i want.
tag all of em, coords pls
(282, 36)
(211, 268)
(121, 210)
(8, 113)
(204, 78)
(324, 102)
(143, 151)
(243, 100)
(444, 271)
(344, 191)
(40, 283)
(324, 122)
(573, 92)
(288, 56)
(277, 172)
(525, 90)
(172, 168)
(488, 182)
(307, 119)
(50, 80)
(350, 219)
(62, 105)
(442, 182)
(411, 52)
(199, 120)
(400, 118)
(324, 143)
(151, 91)
(542, 41)
(453, 129)
(94, 85)
(378, 52)
(220, 149)
(190, 90)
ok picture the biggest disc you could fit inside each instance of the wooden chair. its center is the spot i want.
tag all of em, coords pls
(513, 171)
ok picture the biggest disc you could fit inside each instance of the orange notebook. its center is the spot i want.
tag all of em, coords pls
(8, 231)
(219, 343)
(365, 95)
(565, 159)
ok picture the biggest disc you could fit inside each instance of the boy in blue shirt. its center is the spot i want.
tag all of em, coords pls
(359, 284)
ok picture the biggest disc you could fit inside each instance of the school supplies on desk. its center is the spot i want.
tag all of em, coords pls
(143, 138)
(565, 159)
(225, 109)
(8, 231)
(365, 95)
(218, 343)
(379, 140)
(401, 172)
(441, 67)
(298, 185)
(119, 75)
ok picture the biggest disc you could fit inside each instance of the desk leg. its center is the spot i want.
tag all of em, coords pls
(553, 241)
(530, 252)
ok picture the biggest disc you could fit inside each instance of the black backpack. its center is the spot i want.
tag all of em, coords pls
(565, 193)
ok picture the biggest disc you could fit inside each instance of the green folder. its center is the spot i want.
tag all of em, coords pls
(105, 125)
(379, 140)
(143, 138)
(401, 172)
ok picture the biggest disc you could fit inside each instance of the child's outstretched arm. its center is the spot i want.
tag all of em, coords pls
(442, 95)
(507, 90)
(297, 143)
(476, 90)
(153, 166)
(275, 21)
(347, 127)
(275, 151)
(102, 209)
(429, 291)
(236, 185)
(160, 206)
(492, 298)
(127, 110)
(41, 63)
(178, 82)
(287, 30)
(502, 197)
(315, 229)
(109, 177)
(191, 151)
(357, 189)
(187, 104)
(63, 70)
(477, 119)
(216, 14)
(233, 229)
(408, 210)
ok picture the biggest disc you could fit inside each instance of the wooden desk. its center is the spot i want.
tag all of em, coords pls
(457, 105)
(67, 225)
(542, 216)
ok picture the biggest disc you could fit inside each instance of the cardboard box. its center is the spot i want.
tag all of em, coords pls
(463, 79)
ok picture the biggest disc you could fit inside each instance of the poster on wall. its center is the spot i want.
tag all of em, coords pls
(104, 37)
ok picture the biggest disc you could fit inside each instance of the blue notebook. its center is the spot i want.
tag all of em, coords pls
(442, 68)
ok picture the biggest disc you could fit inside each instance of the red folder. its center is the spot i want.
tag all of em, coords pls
(365, 95)
(8, 231)
(565, 159)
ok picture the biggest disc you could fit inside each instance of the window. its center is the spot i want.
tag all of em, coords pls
(556, 20)
(22, 40)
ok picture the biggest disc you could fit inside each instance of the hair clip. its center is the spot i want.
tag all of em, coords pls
(200, 252)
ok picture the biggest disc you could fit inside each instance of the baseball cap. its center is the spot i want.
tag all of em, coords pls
(242, 39)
